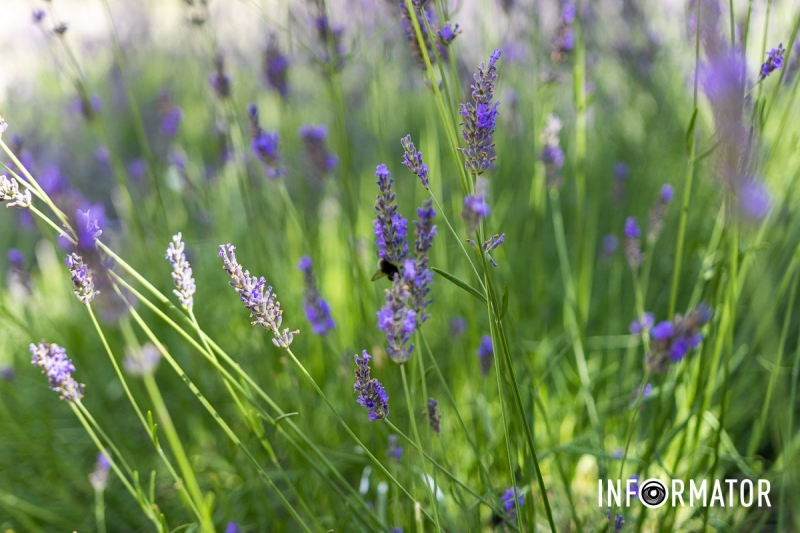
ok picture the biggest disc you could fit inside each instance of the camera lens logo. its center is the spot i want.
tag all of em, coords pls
(652, 493)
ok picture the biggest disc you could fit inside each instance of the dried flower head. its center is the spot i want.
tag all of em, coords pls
(9, 192)
(181, 272)
(82, 278)
(263, 304)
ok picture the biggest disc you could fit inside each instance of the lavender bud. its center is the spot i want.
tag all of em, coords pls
(181, 272)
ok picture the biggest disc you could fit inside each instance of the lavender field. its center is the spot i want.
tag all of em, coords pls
(383, 266)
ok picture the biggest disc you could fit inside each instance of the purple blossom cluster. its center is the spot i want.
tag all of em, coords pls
(672, 340)
(396, 318)
(390, 227)
(476, 208)
(443, 37)
(552, 155)
(265, 145)
(276, 68)
(318, 312)
(82, 278)
(512, 498)
(616, 524)
(412, 159)
(219, 81)
(53, 361)
(371, 393)
(322, 160)
(774, 61)
(257, 297)
(564, 41)
(89, 227)
(480, 118)
(181, 272)
(633, 249)
(171, 116)
(486, 354)
(393, 449)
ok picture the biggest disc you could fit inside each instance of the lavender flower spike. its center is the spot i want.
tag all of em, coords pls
(424, 232)
(53, 361)
(396, 318)
(9, 192)
(371, 393)
(434, 418)
(480, 118)
(413, 160)
(257, 297)
(318, 312)
(486, 354)
(181, 272)
(774, 61)
(390, 227)
(512, 498)
(633, 250)
(265, 145)
(82, 278)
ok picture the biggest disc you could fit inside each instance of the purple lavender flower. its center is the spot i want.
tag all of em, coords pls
(38, 16)
(331, 39)
(642, 324)
(15, 258)
(82, 279)
(9, 192)
(396, 318)
(53, 361)
(393, 449)
(512, 498)
(7, 373)
(219, 81)
(232, 527)
(88, 106)
(411, 36)
(448, 34)
(491, 243)
(656, 214)
(371, 393)
(552, 155)
(610, 245)
(434, 418)
(257, 297)
(171, 120)
(564, 41)
(276, 67)
(615, 524)
(672, 340)
(181, 272)
(480, 118)
(52, 181)
(486, 354)
(390, 227)
(412, 159)
(475, 206)
(422, 277)
(322, 161)
(265, 145)
(88, 226)
(632, 248)
(635, 485)
(774, 61)
(457, 326)
(754, 199)
(318, 312)
(99, 476)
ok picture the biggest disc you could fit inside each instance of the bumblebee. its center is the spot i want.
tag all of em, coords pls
(385, 268)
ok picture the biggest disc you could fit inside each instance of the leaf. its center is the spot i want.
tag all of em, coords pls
(690, 131)
(459, 283)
